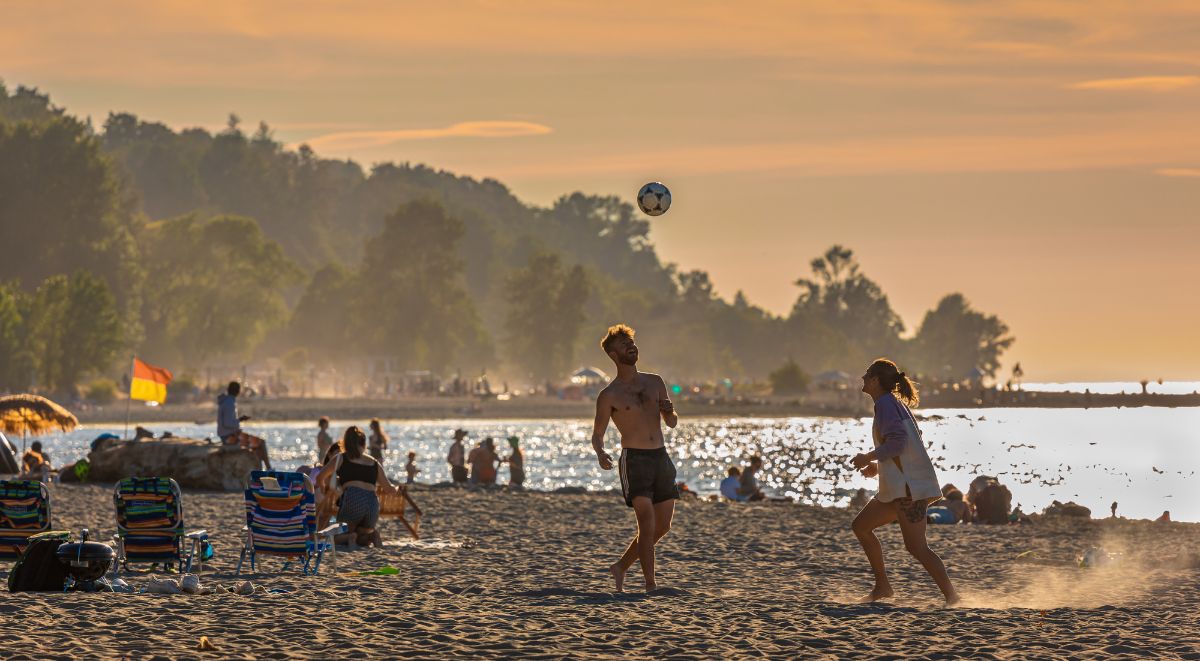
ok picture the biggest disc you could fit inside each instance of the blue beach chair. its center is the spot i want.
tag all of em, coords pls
(24, 512)
(150, 525)
(281, 520)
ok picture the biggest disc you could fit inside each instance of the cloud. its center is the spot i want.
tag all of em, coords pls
(480, 129)
(1178, 172)
(1149, 83)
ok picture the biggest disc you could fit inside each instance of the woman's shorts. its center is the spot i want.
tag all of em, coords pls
(359, 506)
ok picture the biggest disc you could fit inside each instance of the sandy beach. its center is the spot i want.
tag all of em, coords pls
(500, 574)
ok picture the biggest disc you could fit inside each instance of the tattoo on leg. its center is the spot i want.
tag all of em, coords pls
(913, 511)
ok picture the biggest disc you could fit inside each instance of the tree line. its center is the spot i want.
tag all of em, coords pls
(190, 247)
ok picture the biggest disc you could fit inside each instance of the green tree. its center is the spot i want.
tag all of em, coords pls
(323, 320)
(546, 312)
(16, 362)
(789, 379)
(954, 338)
(412, 302)
(64, 208)
(214, 287)
(74, 329)
(851, 305)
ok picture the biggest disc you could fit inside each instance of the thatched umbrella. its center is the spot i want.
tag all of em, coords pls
(31, 414)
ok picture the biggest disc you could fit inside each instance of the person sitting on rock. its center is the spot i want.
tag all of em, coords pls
(229, 425)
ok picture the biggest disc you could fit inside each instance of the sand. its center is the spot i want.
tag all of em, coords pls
(523, 574)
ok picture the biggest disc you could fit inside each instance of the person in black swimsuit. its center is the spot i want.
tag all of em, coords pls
(359, 477)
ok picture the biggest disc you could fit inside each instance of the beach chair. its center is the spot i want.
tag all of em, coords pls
(150, 525)
(24, 512)
(395, 506)
(281, 520)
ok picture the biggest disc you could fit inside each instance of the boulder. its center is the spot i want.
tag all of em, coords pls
(193, 464)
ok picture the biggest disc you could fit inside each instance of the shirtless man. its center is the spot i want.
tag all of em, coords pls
(635, 402)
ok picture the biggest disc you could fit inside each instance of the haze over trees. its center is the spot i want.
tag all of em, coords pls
(193, 247)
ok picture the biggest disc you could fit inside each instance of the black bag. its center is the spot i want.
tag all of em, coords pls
(38, 568)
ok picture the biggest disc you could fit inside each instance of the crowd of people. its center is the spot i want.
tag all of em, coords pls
(350, 474)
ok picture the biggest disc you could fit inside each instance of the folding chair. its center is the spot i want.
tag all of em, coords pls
(395, 506)
(150, 525)
(24, 512)
(281, 520)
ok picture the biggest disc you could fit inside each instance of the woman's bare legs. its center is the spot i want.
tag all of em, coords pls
(912, 526)
(873, 515)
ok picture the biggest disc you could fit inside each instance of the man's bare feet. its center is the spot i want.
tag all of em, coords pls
(618, 575)
(880, 592)
(953, 599)
(651, 587)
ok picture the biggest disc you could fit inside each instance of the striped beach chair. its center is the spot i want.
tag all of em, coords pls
(281, 520)
(24, 512)
(150, 525)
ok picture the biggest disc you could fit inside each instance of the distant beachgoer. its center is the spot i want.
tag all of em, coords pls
(379, 440)
(731, 484)
(140, 432)
(1114, 509)
(989, 500)
(229, 425)
(359, 476)
(907, 479)
(956, 503)
(516, 463)
(638, 403)
(950, 509)
(483, 460)
(34, 464)
(859, 500)
(749, 487)
(1165, 518)
(324, 439)
(457, 458)
(410, 468)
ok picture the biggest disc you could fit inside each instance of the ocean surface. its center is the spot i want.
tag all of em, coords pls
(1146, 459)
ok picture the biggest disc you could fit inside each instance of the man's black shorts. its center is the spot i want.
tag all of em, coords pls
(648, 473)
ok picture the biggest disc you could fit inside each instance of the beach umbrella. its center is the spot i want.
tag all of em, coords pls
(832, 376)
(588, 374)
(33, 415)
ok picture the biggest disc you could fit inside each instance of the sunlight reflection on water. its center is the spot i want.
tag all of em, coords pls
(1092, 457)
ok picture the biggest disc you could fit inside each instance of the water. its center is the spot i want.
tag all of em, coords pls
(1090, 456)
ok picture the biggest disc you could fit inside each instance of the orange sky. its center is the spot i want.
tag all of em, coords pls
(1041, 157)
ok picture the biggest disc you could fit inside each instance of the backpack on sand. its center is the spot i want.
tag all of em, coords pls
(38, 568)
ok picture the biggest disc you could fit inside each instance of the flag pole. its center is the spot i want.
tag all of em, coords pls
(128, 399)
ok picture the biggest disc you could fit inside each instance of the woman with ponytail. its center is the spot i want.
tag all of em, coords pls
(907, 480)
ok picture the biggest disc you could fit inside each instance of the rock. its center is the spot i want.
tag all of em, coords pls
(192, 463)
(1069, 509)
(190, 583)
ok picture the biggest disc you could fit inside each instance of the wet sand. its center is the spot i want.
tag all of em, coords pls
(508, 574)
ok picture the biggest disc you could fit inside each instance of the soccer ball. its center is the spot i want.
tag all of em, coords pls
(654, 199)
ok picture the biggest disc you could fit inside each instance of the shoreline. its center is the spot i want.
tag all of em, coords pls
(839, 404)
